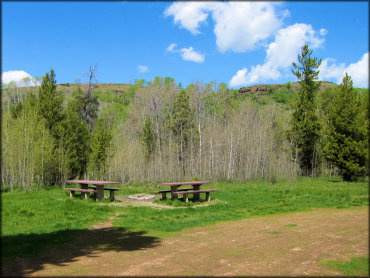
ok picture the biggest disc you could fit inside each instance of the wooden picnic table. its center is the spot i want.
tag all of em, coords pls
(98, 189)
(175, 188)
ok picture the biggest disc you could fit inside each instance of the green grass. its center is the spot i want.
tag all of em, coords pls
(243, 200)
(34, 220)
(178, 202)
(356, 266)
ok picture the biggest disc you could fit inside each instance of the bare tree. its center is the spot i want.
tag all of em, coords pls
(89, 104)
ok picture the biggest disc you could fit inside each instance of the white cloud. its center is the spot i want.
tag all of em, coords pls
(281, 53)
(171, 47)
(17, 76)
(189, 54)
(323, 31)
(329, 69)
(142, 68)
(189, 14)
(239, 79)
(239, 26)
(359, 71)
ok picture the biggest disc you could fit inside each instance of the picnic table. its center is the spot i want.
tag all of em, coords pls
(96, 187)
(195, 190)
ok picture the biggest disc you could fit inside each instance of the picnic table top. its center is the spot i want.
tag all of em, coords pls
(183, 183)
(92, 182)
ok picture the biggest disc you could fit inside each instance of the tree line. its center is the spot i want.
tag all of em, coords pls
(46, 140)
(167, 132)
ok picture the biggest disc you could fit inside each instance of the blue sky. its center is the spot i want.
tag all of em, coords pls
(239, 43)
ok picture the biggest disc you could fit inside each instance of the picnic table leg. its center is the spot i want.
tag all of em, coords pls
(111, 195)
(83, 194)
(185, 197)
(173, 189)
(100, 192)
(164, 195)
(196, 196)
(208, 196)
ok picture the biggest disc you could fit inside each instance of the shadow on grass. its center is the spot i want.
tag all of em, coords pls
(25, 254)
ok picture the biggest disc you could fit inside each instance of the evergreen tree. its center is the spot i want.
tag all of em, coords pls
(346, 142)
(182, 123)
(50, 104)
(50, 108)
(100, 143)
(148, 138)
(306, 126)
(75, 143)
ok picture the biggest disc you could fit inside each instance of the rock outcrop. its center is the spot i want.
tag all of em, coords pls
(253, 89)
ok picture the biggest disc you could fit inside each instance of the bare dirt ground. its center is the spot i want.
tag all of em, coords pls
(285, 245)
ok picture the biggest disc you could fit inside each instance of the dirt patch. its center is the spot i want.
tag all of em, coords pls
(124, 201)
(285, 245)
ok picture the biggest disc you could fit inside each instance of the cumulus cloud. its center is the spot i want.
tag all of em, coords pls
(188, 15)
(239, 26)
(280, 54)
(359, 71)
(142, 68)
(187, 54)
(330, 70)
(16, 76)
(239, 79)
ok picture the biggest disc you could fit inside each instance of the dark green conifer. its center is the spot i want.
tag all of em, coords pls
(305, 131)
(50, 104)
(346, 140)
(182, 123)
(76, 137)
(100, 143)
(148, 138)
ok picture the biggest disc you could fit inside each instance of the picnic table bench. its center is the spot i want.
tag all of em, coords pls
(96, 187)
(85, 193)
(175, 191)
(111, 191)
(164, 192)
(186, 193)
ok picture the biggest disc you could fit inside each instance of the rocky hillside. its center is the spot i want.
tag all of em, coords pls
(256, 89)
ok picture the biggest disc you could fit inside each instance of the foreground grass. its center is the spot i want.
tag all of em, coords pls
(354, 267)
(34, 220)
(243, 200)
(37, 219)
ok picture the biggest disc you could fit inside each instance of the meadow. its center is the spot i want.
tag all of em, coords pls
(33, 221)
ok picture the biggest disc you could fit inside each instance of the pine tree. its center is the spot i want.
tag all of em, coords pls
(50, 108)
(148, 138)
(50, 104)
(100, 144)
(346, 142)
(182, 123)
(305, 131)
(75, 143)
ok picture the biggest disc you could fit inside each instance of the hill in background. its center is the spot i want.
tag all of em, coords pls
(273, 87)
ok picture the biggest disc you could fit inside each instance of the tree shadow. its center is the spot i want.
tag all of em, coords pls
(25, 254)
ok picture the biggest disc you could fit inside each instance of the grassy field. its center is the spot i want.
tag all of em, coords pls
(355, 267)
(32, 221)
